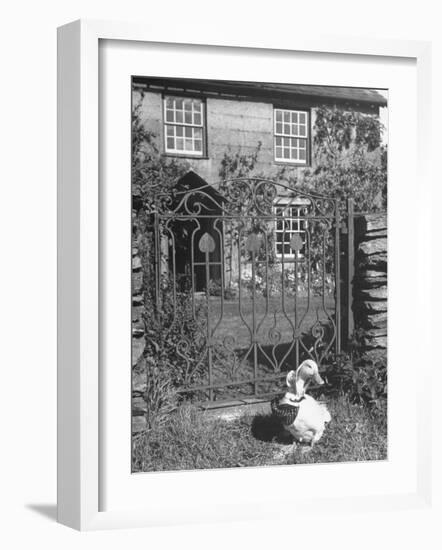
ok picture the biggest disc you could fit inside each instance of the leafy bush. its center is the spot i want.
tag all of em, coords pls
(363, 379)
(349, 160)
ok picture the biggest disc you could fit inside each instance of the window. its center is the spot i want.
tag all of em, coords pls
(291, 136)
(184, 126)
(290, 230)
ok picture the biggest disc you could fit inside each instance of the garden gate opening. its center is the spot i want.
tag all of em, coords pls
(246, 275)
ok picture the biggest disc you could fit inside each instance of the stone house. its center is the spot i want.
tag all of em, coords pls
(198, 121)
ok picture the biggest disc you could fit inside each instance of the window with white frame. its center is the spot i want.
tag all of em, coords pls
(184, 126)
(291, 135)
(289, 224)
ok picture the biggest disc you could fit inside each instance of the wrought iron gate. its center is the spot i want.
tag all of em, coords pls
(248, 274)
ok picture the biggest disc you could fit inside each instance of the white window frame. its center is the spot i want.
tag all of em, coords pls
(295, 225)
(174, 124)
(291, 136)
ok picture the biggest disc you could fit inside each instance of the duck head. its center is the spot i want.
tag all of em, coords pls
(299, 381)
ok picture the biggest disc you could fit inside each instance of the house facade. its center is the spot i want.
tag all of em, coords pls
(199, 121)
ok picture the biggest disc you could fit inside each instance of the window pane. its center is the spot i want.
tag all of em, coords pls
(278, 141)
(295, 129)
(295, 118)
(302, 118)
(286, 153)
(279, 128)
(287, 249)
(286, 116)
(287, 129)
(302, 131)
(181, 114)
(278, 152)
(278, 115)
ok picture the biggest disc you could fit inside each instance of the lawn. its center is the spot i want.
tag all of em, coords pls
(190, 439)
(276, 320)
(275, 313)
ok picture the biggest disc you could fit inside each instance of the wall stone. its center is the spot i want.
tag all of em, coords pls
(138, 345)
(370, 292)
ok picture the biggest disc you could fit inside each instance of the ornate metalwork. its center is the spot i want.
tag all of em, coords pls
(258, 262)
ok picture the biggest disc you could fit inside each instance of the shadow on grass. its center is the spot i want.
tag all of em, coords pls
(266, 427)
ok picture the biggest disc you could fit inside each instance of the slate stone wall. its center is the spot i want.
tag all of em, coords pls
(138, 344)
(370, 282)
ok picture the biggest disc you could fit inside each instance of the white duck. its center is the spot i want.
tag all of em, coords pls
(312, 416)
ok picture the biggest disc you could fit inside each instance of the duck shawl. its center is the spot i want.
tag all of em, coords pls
(285, 412)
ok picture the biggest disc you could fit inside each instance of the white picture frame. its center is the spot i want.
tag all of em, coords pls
(79, 295)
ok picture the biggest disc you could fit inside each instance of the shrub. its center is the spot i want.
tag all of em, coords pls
(363, 378)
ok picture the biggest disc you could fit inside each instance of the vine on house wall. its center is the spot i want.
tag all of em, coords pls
(349, 162)
(154, 178)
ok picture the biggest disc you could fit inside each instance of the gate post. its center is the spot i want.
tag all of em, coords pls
(347, 262)
(338, 281)
(350, 268)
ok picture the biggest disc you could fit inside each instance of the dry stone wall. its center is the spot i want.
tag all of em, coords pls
(370, 282)
(138, 345)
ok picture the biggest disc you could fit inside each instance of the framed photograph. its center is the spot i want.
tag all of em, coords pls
(231, 253)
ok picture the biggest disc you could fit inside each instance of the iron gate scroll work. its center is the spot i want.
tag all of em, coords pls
(257, 264)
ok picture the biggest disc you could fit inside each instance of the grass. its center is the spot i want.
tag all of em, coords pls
(275, 321)
(268, 315)
(190, 439)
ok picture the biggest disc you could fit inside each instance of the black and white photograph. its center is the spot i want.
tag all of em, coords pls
(259, 274)
(221, 275)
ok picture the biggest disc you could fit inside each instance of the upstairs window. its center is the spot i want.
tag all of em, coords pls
(291, 136)
(184, 126)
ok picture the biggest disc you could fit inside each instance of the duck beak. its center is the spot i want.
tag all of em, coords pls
(317, 378)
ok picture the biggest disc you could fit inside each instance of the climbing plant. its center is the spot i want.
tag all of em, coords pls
(349, 160)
